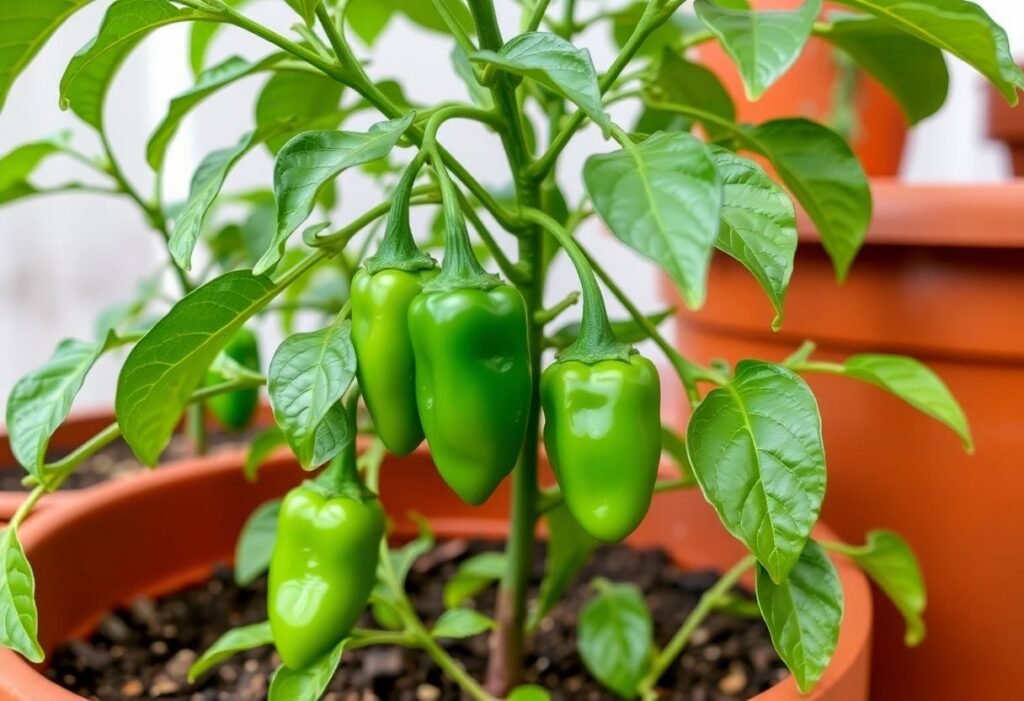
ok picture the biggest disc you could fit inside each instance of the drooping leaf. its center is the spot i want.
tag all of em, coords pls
(569, 548)
(297, 100)
(306, 9)
(682, 82)
(960, 27)
(803, 613)
(472, 577)
(308, 375)
(256, 543)
(19, 619)
(557, 65)
(170, 361)
(368, 18)
(616, 637)
(261, 447)
(309, 161)
(17, 166)
(662, 198)
(85, 83)
(764, 44)
(758, 224)
(892, 565)
(666, 38)
(208, 82)
(201, 35)
(461, 623)
(916, 384)
(756, 450)
(913, 71)
(230, 644)
(25, 27)
(307, 684)
(826, 178)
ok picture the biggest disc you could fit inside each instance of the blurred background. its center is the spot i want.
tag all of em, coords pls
(65, 258)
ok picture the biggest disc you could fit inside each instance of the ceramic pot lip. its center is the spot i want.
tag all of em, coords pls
(20, 681)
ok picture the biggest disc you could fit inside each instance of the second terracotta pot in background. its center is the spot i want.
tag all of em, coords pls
(941, 279)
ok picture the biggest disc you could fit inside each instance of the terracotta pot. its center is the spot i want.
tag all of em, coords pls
(1007, 124)
(166, 529)
(940, 279)
(807, 90)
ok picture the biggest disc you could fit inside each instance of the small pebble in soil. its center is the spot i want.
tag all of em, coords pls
(144, 651)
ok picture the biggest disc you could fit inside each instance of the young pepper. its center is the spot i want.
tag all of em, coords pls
(235, 411)
(602, 410)
(381, 294)
(473, 388)
(324, 562)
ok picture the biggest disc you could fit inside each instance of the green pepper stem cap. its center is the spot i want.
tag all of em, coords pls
(398, 249)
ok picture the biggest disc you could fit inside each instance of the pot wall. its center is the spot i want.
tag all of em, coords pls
(166, 529)
(960, 309)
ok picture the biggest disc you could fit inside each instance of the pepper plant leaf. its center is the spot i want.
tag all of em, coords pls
(297, 100)
(306, 9)
(85, 83)
(260, 448)
(19, 622)
(616, 637)
(916, 384)
(758, 225)
(17, 166)
(256, 543)
(662, 198)
(803, 613)
(569, 548)
(892, 565)
(308, 375)
(25, 27)
(960, 27)
(312, 159)
(170, 361)
(913, 71)
(460, 623)
(682, 82)
(473, 576)
(826, 178)
(201, 36)
(764, 44)
(756, 450)
(557, 65)
(307, 684)
(368, 18)
(230, 644)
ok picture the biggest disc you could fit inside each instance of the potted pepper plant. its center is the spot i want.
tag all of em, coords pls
(455, 354)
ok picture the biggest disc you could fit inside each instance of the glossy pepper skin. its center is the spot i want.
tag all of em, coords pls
(322, 570)
(235, 411)
(472, 383)
(380, 334)
(602, 433)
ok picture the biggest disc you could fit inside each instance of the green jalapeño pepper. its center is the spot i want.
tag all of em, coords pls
(324, 563)
(235, 411)
(473, 376)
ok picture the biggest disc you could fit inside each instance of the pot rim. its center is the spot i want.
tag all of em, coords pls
(22, 680)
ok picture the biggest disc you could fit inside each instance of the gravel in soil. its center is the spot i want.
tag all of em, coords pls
(144, 651)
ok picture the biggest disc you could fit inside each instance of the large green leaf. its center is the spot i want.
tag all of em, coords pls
(556, 64)
(826, 178)
(308, 375)
(201, 35)
(569, 548)
(256, 543)
(616, 637)
(170, 361)
(662, 198)
(209, 82)
(17, 167)
(306, 684)
(230, 644)
(682, 82)
(309, 161)
(206, 185)
(892, 565)
(296, 100)
(803, 614)
(41, 400)
(758, 224)
(764, 44)
(960, 27)
(913, 71)
(88, 76)
(916, 384)
(19, 619)
(756, 450)
(25, 26)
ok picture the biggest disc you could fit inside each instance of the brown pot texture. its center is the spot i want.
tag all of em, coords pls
(939, 279)
(1006, 123)
(166, 529)
(807, 90)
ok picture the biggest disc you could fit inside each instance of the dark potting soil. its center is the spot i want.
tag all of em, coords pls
(144, 652)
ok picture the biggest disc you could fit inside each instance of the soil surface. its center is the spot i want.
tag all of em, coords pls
(144, 652)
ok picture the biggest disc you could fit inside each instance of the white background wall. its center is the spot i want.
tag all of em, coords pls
(64, 258)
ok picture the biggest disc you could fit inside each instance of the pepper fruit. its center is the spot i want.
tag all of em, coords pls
(381, 294)
(473, 369)
(235, 411)
(324, 562)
